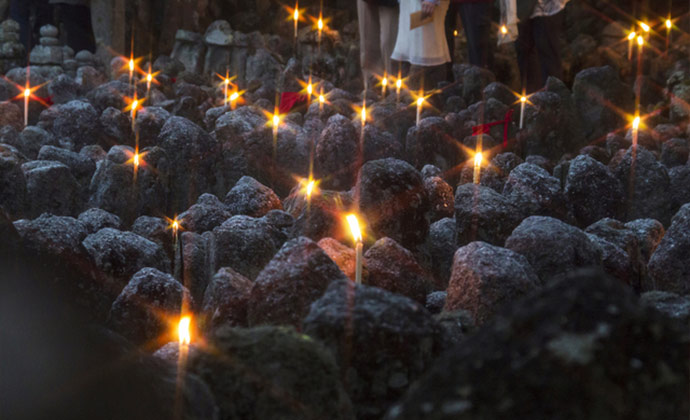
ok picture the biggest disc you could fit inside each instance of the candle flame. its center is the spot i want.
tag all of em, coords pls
(636, 123)
(478, 159)
(27, 92)
(354, 227)
(131, 65)
(322, 98)
(420, 101)
(523, 99)
(310, 188)
(644, 27)
(319, 24)
(669, 24)
(310, 89)
(455, 32)
(632, 35)
(363, 115)
(135, 159)
(398, 83)
(135, 105)
(234, 96)
(183, 332)
(384, 81)
(640, 41)
(295, 15)
(149, 77)
(504, 29)
(276, 120)
(175, 226)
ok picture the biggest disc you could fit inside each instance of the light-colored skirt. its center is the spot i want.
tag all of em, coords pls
(426, 45)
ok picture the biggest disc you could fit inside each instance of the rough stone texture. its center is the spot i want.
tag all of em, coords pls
(51, 188)
(382, 342)
(191, 154)
(336, 154)
(140, 311)
(649, 234)
(95, 219)
(486, 278)
(297, 276)
(321, 216)
(379, 144)
(441, 198)
(11, 115)
(150, 121)
(592, 191)
(670, 304)
(516, 366)
(251, 198)
(432, 143)
(482, 214)
(623, 237)
(669, 267)
(303, 385)
(394, 202)
(674, 152)
(81, 166)
(206, 214)
(552, 247)
(225, 299)
(32, 139)
(245, 244)
(12, 181)
(435, 301)
(394, 268)
(679, 191)
(599, 97)
(646, 191)
(155, 230)
(344, 257)
(75, 121)
(194, 263)
(116, 128)
(440, 246)
(119, 255)
(534, 192)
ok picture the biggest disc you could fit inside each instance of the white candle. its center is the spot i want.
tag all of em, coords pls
(635, 131)
(295, 16)
(420, 104)
(477, 167)
(359, 246)
(631, 38)
(27, 96)
(384, 84)
(523, 101)
(133, 114)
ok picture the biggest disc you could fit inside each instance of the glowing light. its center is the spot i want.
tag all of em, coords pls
(131, 65)
(398, 83)
(183, 331)
(669, 24)
(322, 99)
(175, 226)
(632, 36)
(319, 24)
(135, 105)
(234, 96)
(636, 123)
(363, 114)
(135, 159)
(455, 32)
(27, 92)
(478, 159)
(276, 120)
(295, 14)
(310, 188)
(523, 99)
(149, 78)
(477, 166)
(420, 102)
(504, 29)
(310, 89)
(644, 27)
(640, 40)
(354, 227)
(384, 81)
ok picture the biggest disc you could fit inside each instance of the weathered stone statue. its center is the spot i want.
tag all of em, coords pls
(12, 53)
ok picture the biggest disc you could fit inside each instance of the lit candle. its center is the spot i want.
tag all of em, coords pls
(477, 167)
(233, 100)
(295, 16)
(635, 131)
(135, 160)
(310, 91)
(669, 26)
(384, 84)
(455, 33)
(183, 331)
(133, 113)
(131, 69)
(226, 85)
(645, 28)
(27, 96)
(149, 79)
(631, 38)
(420, 105)
(276, 124)
(504, 30)
(523, 101)
(363, 115)
(322, 100)
(359, 246)
(398, 87)
(319, 25)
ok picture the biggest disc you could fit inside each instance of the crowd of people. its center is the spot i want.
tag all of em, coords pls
(389, 43)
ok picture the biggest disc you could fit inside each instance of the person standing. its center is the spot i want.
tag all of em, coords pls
(540, 28)
(75, 16)
(425, 47)
(476, 22)
(21, 11)
(378, 31)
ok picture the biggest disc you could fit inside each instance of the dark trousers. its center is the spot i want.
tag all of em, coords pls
(538, 50)
(76, 22)
(476, 21)
(21, 11)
